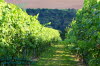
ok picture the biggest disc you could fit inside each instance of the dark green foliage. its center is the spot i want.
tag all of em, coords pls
(59, 18)
(84, 34)
(9, 61)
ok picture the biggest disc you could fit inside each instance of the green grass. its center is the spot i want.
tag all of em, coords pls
(57, 55)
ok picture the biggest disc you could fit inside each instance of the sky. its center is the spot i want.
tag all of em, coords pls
(52, 4)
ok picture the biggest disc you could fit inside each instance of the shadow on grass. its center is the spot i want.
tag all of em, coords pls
(57, 55)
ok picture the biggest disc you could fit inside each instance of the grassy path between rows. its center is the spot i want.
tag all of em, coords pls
(57, 55)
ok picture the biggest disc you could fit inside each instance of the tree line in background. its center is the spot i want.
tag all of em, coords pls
(59, 18)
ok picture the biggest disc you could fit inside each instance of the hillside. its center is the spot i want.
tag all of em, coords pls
(59, 18)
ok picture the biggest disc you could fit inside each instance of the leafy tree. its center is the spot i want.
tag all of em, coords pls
(84, 33)
(22, 35)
